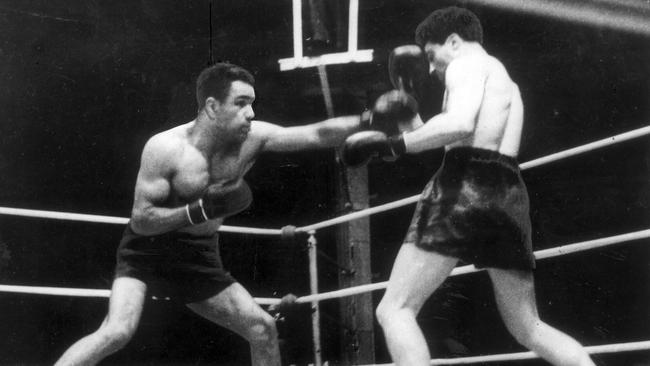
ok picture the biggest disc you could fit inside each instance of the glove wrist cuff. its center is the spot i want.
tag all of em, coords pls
(365, 120)
(397, 145)
(195, 212)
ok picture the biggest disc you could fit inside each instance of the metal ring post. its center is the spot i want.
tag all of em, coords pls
(313, 285)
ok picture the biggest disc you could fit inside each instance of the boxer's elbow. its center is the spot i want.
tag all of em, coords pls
(465, 130)
(325, 136)
(143, 221)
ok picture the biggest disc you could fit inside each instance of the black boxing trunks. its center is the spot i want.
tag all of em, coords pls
(178, 265)
(476, 208)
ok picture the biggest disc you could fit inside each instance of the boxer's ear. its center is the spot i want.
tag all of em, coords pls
(212, 106)
(454, 40)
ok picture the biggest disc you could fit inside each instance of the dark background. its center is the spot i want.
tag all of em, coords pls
(84, 84)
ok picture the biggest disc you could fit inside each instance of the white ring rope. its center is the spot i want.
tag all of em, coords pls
(585, 148)
(541, 254)
(63, 216)
(343, 292)
(57, 291)
(605, 348)
(341, 219)
(87, 292)
(117, 220)
(359, 214)
(527, 165)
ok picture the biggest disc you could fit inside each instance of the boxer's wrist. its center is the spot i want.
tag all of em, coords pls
(407, 138)
(195, 212)
(398, 144)
(365, 120)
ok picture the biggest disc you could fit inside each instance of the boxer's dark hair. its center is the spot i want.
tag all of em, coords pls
(443, 22)
(214, 81)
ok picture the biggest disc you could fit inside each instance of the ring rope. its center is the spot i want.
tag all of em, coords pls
(86, 292)
(344, 292)
(117, 220)
(527, 165)
(540, 254)
(341, 219)
(60, 291)
(588, 147)
(605, 348)
(360, 214)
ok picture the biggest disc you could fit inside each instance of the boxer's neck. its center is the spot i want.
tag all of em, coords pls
(204, 133)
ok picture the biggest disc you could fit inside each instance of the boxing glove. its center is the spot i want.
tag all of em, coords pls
(218, 201)
(362, 146)
(408, 69)
(392, 109)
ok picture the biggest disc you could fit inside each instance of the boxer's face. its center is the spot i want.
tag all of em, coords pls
(236, 111)
(439, 56)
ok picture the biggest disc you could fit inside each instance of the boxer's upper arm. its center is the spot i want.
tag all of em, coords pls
(278, 138)
(328, 133)
(153, 183)
(465, 83)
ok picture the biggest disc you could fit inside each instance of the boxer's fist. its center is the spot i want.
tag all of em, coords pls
(360, 147)
(218, 201)
(407, 67)
(392, 109)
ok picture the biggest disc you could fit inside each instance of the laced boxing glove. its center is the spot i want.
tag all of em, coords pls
(392, 109)
(218, 201)
(362, 146)
(408, 69)
(407, 66)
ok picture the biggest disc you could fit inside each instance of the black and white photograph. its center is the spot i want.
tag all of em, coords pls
(325, 182)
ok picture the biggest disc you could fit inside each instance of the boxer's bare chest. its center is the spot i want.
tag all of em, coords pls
(195, 172)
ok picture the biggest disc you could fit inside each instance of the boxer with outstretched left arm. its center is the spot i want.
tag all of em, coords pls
(191, 178)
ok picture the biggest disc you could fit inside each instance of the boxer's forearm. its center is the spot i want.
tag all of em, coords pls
(328, 133)
(157, 220)
(439, 131)
(332, 132)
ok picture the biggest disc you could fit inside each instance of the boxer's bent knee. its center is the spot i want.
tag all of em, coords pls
(116, 335)
(388, 313)
(262, 329)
